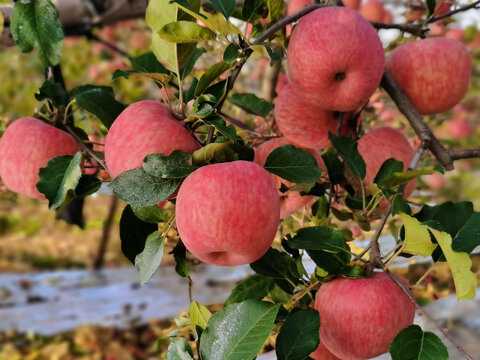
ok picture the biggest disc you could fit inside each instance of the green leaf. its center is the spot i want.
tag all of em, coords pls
(188, 68)
(218, 90)
(276, 9)
(180, 255)
(35, 24)
(54, 92)
(468, 238)
(300, 336)
(402, 177)
(387, 170)
(185, 32)
(58, 180)
(431, 4)
(318, 238)
(249, 9)
(252, 104)
(143, 64)
(414, 344)
(460, 263)
(335, 167)
(347, 149)
(138, 188)
(417, 239)
(225, 7)
(190, 93)
(226, 130)
(451, 216)
(208, 152)
(87, 185)
(152, 214)
(254, 287)
(148, 261)
(210, 75)
(275, 52)
(179, 349)
(231, 54)
(333, 263)
(160, 13)
(100, 101)
(400, 205)
(277, 265)
(133, 233)
(293, 164)
(238, 331)
(199, 315)
(177, 165)
(184, 5)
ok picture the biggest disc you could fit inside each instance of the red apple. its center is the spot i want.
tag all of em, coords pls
(456, 33)
(459, 128)
(372, 10)
(387, 17)
(415, 11)
(228, 213)
(322, 353)
(381, 144)
(435, 181)
(302, 123)
(25, 147)
(434, 73)
(290, 201)
(295, 6)
(335, 59)
(361, 317)
(352, 4)
(143, 128)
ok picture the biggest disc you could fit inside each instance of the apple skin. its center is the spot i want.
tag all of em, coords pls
(143, 128)
(373, 10)
(434, 73)
(361, 317)
(352, 4)
(435, 181)
(322, 353)
(335, 59)
(381, 144)
(25, 147)
(290, 201)
(228, 213)
(295, 6)
(302, 123)
(459, 128)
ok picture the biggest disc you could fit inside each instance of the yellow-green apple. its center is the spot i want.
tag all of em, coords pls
(302, 123)
(290, 201)
(228, 213)
(25, 147)
(143, 128)
(335, 59)
(322, 353)
(434, 73)
(372, 10)
(361, 317)
(381, 144)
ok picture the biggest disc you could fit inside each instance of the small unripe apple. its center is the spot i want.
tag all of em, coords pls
(335, 59)
(379, 145)
(304, 124)
(26, 146)
(290, 201)
(228, 213)
(434, 73)
(143, 128)
(361, 317)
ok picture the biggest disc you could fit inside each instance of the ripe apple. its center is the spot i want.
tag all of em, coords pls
(459, 128)
(290, 201)
(435, 181)
(302, 123)
(434, 73)
(381, 144)
(25, 147)
(143, 128)
(352, 4)
(228, 213)
(322, 353)
(415, 11)
(335, 59)
(295, 6)
(373, 10)
(456, 33)
(387, 17)
(361, 317)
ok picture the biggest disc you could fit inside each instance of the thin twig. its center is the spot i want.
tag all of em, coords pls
(475, 4)
(464, 154)
(108, 44)
(413, 29)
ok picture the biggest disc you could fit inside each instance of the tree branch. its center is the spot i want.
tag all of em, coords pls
(413, 29)
(464, 154)
(473, 5)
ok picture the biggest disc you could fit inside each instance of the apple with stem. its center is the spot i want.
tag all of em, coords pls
(361, 317)
(228, 213)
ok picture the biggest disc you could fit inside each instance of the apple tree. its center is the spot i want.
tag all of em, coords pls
(230, 178)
